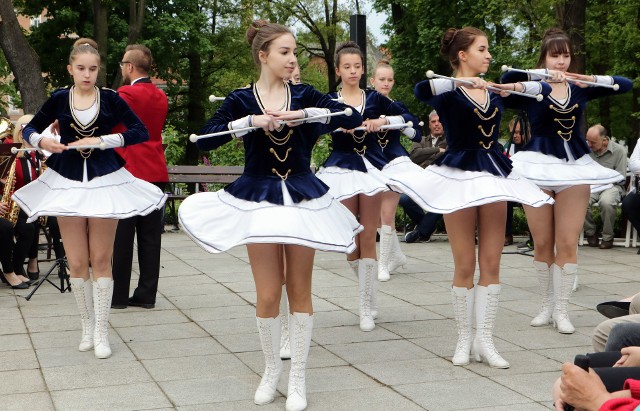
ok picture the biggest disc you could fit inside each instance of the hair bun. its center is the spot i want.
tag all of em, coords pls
(348, 45)
(447, 39)
(85, 41)
(253, 29)
(554, 32)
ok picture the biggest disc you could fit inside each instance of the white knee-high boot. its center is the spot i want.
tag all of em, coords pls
(300, 328)
(463, 313)
(102, 294)
(543, 272)
(285, 351)
(563, 279)
(486, 305)
(366, 279)
(397, 258)
(269, 330)
(385, 253)
(354, 264)
(83, 291)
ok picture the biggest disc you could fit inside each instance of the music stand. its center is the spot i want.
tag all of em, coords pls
(62, 266)
(6, 158)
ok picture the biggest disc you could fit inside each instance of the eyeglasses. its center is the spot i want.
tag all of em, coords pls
(122, 63)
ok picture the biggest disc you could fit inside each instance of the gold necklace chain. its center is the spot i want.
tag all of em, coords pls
(475, 110)
(286, 154)
(561, 120)
(279, 141)
(562, 135)
(490, 131)
(562, 110)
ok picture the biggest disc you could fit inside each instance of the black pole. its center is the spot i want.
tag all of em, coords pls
(358, 33)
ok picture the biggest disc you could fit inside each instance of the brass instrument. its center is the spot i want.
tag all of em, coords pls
(6, 128)
(9, 185)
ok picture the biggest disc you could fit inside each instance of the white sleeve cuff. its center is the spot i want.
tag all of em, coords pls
(243, 122)
(409, 132)
(440, 85)
(393, 120)
(538, 74)
(604, 80)
(532, 88)
(316, 111)
(112, 140)
(34, 139)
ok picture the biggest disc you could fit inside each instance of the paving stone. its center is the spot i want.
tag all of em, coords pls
(118, 318)
(161, 332)
(148, 350)
(195, 367)
(413, 371)
(211, 390)
(99, 373)
(20, 381)
(59, 357)
(377, 351)
(143, 396)
(40, 401)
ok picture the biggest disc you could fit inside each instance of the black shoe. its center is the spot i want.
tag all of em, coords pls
(593, 240)
(614, 309)
(118, 306)
(525, 246)
(33, 275)
(606, 244)
(135, 303)
(416, 236)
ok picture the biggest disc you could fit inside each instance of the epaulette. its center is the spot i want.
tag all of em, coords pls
(108, 89)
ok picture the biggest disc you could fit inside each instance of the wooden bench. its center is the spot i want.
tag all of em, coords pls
(199, 175)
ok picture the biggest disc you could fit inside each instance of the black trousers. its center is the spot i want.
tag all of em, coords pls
(148, 230)
(6, 245)
(26, 245)
(613, 378)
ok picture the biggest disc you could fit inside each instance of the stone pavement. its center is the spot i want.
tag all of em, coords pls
(199, 348)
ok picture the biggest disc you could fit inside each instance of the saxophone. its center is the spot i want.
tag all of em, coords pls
(9, 185)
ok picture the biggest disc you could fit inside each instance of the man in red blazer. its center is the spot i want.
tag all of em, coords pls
(145, 161)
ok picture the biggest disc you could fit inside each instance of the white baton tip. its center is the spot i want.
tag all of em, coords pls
(102, 146)
(430, 73)
(505, 67)
(616, 87)
(341, 100)
(539, 97)
(14, 150)
(421, 124)
(409, 124)
(193, 138)
(348, 111)
(212, 98)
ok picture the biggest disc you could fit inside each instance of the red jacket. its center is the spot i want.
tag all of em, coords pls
(146, 160)
(625, 404)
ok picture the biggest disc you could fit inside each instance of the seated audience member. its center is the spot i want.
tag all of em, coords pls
(609, 375)
(631, 202)
(424, 153)
(611, 155)
(517, 139)
(602, 335)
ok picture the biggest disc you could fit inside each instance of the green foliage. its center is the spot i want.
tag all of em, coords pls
(7, 87)
(175, 142)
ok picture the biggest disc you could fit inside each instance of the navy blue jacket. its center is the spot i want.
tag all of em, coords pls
(112, 110)
(553, 123)
(281, 155)
(472, 131)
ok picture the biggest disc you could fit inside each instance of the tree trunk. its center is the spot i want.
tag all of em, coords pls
(101, 36)
(571, 16)
(136, 20)
(22, 59)
(197, 96)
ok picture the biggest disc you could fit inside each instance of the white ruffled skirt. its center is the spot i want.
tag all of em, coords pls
(404, 169)
(443, 189)
(550, 171)
(218, 221)
(116, 195)
(345, 183)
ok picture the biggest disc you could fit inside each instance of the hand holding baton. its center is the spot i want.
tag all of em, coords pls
(194, 137)
(408, 124)
(615, 87)
(100, 146)
(431, 74)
